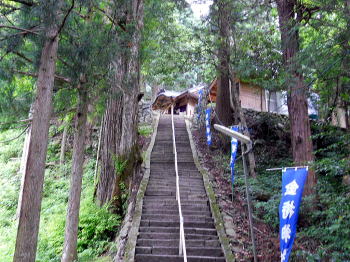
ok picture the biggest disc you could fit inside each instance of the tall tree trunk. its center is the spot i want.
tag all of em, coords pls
(72, 220)
(228, 111)
(63, 144)
(240, 118)
(29, 218)
(24, 159)
(122, 116)
(98, 156)
(345, 85)
(111, 130)
(223, 109)
(297, 98)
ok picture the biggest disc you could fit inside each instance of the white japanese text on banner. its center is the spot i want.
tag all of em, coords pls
(293, 180)
(207, 126)
(234, 146)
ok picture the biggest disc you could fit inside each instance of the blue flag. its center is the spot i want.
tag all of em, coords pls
(293, 180)
(234, 146)
(200, 92)
(207, 125)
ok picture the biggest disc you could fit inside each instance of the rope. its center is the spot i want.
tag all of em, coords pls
(182, 243)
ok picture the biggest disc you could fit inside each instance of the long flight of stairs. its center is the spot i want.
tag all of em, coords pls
(158, 238)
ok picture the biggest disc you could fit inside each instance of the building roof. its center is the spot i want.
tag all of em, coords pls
(167, 97)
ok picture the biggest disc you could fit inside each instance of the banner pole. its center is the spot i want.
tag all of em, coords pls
(232, 190)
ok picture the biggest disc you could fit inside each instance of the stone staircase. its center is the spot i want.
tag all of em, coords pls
(158, 238)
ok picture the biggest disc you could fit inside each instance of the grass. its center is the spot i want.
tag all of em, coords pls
(97, 226)
(10, 182)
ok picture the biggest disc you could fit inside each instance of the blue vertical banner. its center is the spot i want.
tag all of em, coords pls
(234, 146)
(207, 125)
(293, 180)
(199, 108)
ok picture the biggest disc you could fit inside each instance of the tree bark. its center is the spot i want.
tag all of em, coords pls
(29, 218)
(240, 118)
(24, 162)
(223, 109)
(345, 85)
(72, 220)
(120, 127)
(111, 129)
(297, 97)
(98, 155)
(63, 145)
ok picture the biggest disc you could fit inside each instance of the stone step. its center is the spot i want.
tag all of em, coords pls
(184, 196)
(176, 212)
(180, 160)
(185, 181)
(193, 183)
(170, 170)
(190, 186)
(162, 154)
(183, 191)
(188, 230)
(184, 208)
(161, 178)
(169, 153)
(159, 193)
(155, 198)
(161, 223)
(175, 258)
(158, 238)
(191, 251)
(176, 235)
(175, 242)
(187, 218)
(168, 150)
(161, 202)
(170, 166)
(182, 176)
(154, 195)
(154, 187)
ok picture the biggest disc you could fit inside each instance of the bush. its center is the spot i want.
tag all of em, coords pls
(97, 228)
(145, 130)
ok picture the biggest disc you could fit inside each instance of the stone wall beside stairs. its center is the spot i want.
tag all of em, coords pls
(145, 112)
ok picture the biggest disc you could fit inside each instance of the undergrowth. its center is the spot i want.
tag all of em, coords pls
(324, 221)
(145, 130)
(97, 226)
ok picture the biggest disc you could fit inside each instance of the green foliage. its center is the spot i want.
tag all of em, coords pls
(325, 231)
(333, 148)
(16, 95)
(330, 223)
(145, 130)
(120, 164)
(53, 151)
(173, 53)
(11, 149)
(332, 167)
(97, 227)
(10, 183)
